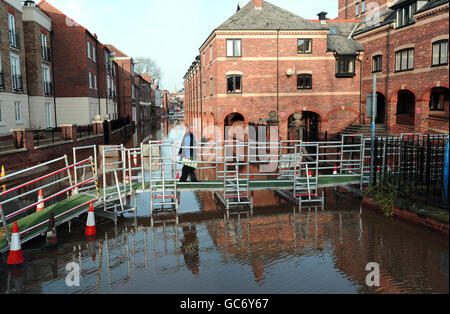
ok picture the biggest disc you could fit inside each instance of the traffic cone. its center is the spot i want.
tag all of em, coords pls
(91, 230)
(127, 179)
(92, 247)
(135, 159)
(178, 174)
(310, 173)
(3, 172)
(335, 171)
(15, 253)
(40, 207)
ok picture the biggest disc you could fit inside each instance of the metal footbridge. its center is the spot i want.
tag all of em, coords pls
(232, 170)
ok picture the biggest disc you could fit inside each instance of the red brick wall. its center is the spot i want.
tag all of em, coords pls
(420, 81)
(259, 83)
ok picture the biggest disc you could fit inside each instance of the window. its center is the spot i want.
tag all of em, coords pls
(345, 66)
(304, 81)
(16, 77)
(357, 9)
(210, 54)
(48, 115)
(405, 15)
(377, 64)
(2, 79)
(234, 48)
(204, 89)
(46, 82)
(94, 54)
(17, 111)
(89, 50)
(12, 30)
(404, 60)
(1, 118)
(304, 46)
(234, 84)
(406, 103)
(440, 53)
(363, 6)
(211, 86)
(439, 99)
(90, 80)
(95, 81)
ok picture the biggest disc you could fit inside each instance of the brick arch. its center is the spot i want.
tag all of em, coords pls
(224, 116)
(394, 95)
(427, 93)
(286, 119)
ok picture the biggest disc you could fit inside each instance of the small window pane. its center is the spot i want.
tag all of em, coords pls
(229, 48)
(444, 52)
(230, 84)
(410, 59)
(237, 84)
(237, 48)
(436, 56)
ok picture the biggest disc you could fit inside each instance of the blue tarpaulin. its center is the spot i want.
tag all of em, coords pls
(446, 171)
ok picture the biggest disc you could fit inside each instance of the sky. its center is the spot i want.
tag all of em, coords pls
(168, 31)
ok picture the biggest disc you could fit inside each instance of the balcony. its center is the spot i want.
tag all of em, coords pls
(14, 39)
(17, 83)
(46, 54)
(47, 88)
(2, 81)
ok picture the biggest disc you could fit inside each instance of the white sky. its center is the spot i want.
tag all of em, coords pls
(168, 31)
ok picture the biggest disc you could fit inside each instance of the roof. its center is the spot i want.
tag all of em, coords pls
(270, 17)
(118, 52)
(146, 78)
(431, 4)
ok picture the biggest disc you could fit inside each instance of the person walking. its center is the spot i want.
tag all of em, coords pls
(188, 156)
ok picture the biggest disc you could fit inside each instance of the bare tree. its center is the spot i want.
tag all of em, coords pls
(148, 66)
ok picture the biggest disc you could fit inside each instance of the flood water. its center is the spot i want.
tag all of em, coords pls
(279, 249)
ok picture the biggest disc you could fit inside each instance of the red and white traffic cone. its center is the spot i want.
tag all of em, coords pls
(178, 174)
(127, 179)
(310, 173)
(91, 230)
(335, 171)
(92, 247)
(135, 159)
(15, 252)
(40, 207)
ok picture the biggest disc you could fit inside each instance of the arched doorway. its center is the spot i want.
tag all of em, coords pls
(234, 125)
(381, 108)
(406, 108)
(304, 126)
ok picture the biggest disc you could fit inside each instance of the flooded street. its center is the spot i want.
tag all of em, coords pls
(279, 249)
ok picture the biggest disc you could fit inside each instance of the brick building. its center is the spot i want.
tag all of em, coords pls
(13, 77)
(407, 48)
(265, 63)
(37, 32)
(79, 59)
(143, 82)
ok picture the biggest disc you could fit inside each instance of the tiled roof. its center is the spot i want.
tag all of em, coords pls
(270, 17)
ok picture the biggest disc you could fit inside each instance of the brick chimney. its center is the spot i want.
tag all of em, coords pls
(258, 4)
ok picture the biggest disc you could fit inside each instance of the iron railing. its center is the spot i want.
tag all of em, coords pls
(120, 123)
(17, 83)
(7, 143)
(414, 164)
(84, 131)
(2, 81)
(48, 136)
(48, 88)
(14, 39)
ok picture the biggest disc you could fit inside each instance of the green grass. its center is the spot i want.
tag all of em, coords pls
(36, 218)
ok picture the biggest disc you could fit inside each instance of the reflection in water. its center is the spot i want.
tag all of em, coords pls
(279, 251)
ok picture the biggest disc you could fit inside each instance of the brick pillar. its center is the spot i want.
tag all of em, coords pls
(392, 118)
(70, 132)
(98, 127)
(283, 130)
(421, 116)
(23, 138)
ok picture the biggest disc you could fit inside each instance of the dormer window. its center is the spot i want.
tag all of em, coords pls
(405, 15)
(345, 66)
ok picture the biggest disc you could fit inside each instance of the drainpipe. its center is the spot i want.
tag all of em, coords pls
(388, 65)
(54, 80)
(278, 75)
(346, 9)
(98, 76)
(361, 121)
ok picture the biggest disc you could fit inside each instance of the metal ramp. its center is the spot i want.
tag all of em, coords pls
(236, 181)
(163, 183)
(306, 180)
(114, 195)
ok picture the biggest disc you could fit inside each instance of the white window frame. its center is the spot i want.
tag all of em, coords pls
(95, 81)
(94, 54)
(90, 80)
(17, 113)
(89, 49)
(44, 45)
(48, 115)
(12, 28)
(233, 47)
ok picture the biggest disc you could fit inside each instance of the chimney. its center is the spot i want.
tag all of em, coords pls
(323, 17)
(258, 4)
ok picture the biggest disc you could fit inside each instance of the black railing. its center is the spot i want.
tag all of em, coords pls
(7, 144)
(46, 54)
(2, 81)
(47, 137)
(413, 164)
(17, 83)
(84, 131)
(48, 88)
(120, 123)
(14, 39)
